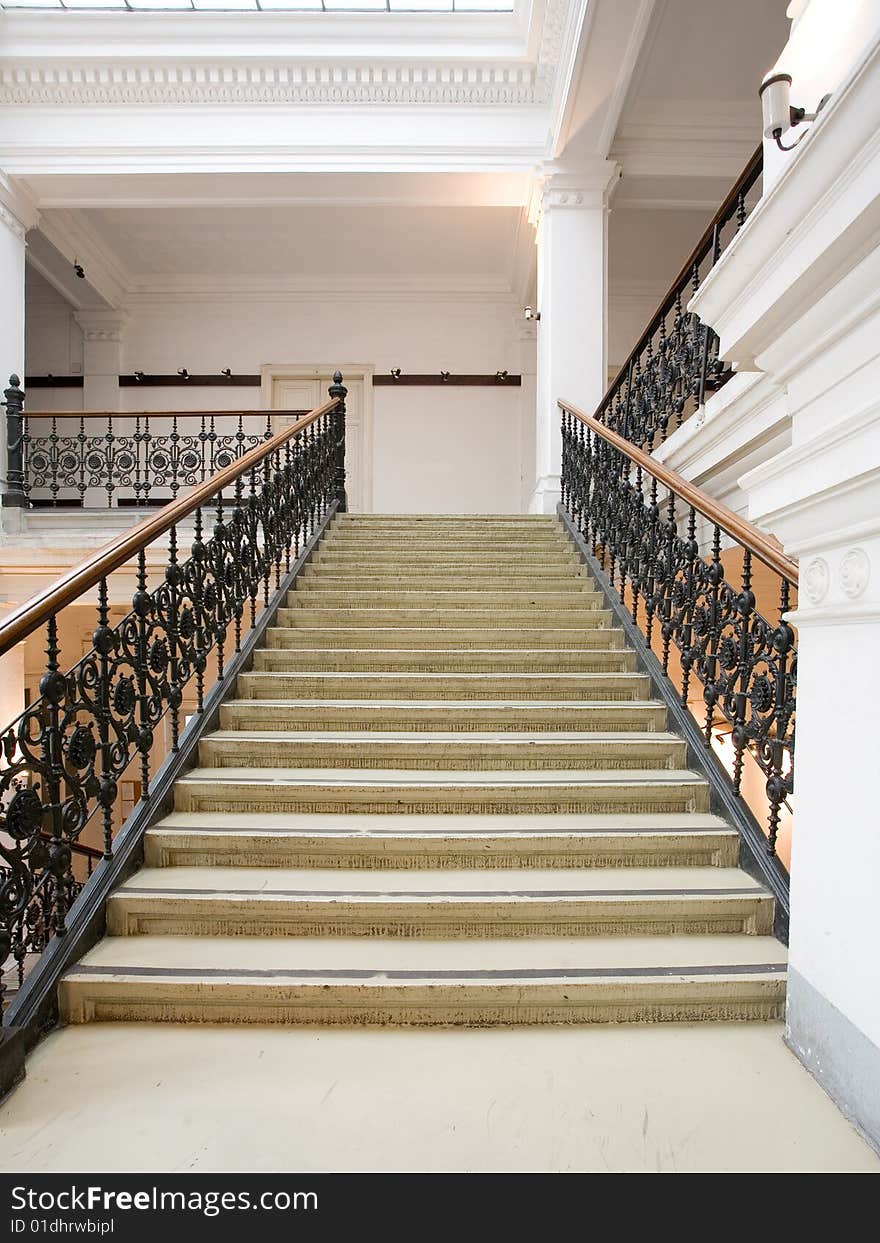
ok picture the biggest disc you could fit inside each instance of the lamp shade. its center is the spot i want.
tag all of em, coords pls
(775, 95)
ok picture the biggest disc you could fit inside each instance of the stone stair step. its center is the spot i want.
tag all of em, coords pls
(383, 981)
(529, 902)
(461, 716)
(342, 660)
(448, 639)
(400, 791)
(444, 560)
(274, 749)
(577, 617)
(438, 686)
(313, 595)
(319, 578)
(260, 839)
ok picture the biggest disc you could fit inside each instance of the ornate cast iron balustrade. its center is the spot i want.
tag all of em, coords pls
(63, 759)
(675, 362)
(140, 459)
(641, 523)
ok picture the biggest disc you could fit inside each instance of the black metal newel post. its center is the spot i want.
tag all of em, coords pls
(14, 495)
(338, 389)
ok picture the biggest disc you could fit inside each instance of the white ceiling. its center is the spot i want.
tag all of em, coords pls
(667, 87)
(308, 241)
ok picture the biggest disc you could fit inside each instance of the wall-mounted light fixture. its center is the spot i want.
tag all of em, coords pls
(530, 313)
(183, 373)
(779, 114)
(139, 375)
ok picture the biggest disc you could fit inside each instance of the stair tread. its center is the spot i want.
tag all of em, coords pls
(382, 954)
(418, 885)
(451, 777)
(440, 738)
(379, 824)
(423, 705)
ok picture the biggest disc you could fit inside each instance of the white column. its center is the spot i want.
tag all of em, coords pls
(796, 298)
(573, 302)
(12, 248)
(102, 357)
(527, 337)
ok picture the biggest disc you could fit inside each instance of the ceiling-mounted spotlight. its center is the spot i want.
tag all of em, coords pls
(183, 373)
(530, 314)
(444, 376)
(395, 374)
(138, 375)
(78, 269)
(778, 112)
(500, 376)
(227, 371)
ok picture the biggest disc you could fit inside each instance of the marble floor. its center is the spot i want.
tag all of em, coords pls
(164, 1098)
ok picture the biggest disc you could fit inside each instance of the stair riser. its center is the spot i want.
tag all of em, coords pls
(164, 849)
(291, 686)
(399, 800)
(281, 660)
(460, 640)
(574, 619)
(256, 714)
(430, 756)
(468, 581)
(447, 563)
(451, 918)
(475, 1005)
(314, 597)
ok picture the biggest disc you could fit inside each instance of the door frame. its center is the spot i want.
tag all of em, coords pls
(270, 372)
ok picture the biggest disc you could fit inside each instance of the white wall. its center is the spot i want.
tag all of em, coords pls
(455, 449)
(53, 344)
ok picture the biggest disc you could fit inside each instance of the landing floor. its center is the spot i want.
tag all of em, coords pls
(149, 1097)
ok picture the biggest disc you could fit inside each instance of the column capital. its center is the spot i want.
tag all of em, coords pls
(562, 185)
(102, 325)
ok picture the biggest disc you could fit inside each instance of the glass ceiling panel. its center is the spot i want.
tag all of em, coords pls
(290, 6)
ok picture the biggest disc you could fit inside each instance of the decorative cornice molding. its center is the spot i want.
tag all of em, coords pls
(99, 325)
(12, 222)
(327, 84)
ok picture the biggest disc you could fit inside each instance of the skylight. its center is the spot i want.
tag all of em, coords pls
(274, 6)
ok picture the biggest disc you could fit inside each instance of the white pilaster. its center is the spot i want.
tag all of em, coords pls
(12, 248)
(572, 300)
(102, 357)
(797, 298)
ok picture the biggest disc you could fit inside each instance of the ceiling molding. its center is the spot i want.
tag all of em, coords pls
(330, 83)
(73, 238)
(147, 292)
(637, 40)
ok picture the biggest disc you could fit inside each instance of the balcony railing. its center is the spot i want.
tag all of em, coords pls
(95, 459)
(675, 363)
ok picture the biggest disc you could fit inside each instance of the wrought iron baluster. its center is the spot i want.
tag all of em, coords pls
(709, 667)
(53, 690)
(104, 640)
(173, 691)
(778, 782)
(142, 606)
(745, 609)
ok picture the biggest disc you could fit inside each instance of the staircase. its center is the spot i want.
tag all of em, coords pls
(442, 794)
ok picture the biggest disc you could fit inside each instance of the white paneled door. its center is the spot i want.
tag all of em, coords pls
(292, 390)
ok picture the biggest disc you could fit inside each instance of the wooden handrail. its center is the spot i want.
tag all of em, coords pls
(758, 544)
(70, 585)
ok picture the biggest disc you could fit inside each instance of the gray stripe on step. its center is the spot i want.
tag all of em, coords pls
(531, 973)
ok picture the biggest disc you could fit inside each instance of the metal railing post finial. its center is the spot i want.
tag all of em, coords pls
(14, 495)
(338, 391)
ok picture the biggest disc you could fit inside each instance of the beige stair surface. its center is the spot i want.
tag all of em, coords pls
(441, 794)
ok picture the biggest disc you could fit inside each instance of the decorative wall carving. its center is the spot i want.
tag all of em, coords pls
(815, 580)
(855, 570)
